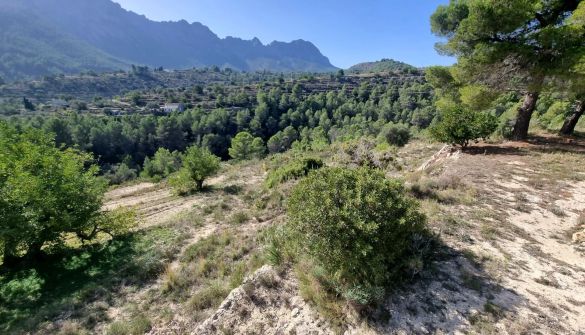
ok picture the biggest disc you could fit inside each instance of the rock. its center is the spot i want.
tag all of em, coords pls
(579, 237)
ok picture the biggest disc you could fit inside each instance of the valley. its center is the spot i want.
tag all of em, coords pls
(161, 177)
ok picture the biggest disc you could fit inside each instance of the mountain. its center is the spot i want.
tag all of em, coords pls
(31, 47)
(74, 30)
(384, 65)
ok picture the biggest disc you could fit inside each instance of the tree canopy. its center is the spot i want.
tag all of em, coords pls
(245, 146)
(45, 192)
(198, 165)
(513, 44)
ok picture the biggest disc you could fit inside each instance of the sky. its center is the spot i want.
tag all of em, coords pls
(346, 31)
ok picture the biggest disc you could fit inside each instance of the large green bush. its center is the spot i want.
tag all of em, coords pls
(461, 126)
(198, 165)
(359, 227)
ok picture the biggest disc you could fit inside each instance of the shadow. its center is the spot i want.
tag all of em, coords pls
(454, 293)
(488, 149)
(68, 281)
(560, 144)
(536, 143)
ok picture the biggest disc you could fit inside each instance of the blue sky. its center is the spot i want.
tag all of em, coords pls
(348, 32)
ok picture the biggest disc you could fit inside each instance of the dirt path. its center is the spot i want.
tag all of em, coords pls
(515, 268)
(156, 204)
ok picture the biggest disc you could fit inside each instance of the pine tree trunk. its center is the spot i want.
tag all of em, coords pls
(520, 131)
(570, 123)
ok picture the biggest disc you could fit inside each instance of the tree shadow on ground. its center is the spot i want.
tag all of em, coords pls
(68, 281)
(488, 149)
(556, 144)
(455, 294)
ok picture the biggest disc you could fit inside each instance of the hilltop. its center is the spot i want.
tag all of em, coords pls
(384, 65)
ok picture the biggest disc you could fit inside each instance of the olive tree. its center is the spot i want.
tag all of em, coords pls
(45, 192)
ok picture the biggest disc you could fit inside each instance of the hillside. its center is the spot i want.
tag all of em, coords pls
(384, 65)
(508, 263)
(32, 47)
(123, 37)
(505, 215)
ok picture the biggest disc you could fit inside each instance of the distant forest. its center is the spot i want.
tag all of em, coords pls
(277, 111)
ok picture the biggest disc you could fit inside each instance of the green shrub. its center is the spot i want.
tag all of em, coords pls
(120, 174)
(137, 326)
(293, 170)
(396, 134)
(26, 288)
(198, 165)
(460, 126)
(359, 227)
(163, 164)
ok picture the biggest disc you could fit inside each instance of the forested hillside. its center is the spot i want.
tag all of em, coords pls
(318, 109)
(32, 47)
(384, 65)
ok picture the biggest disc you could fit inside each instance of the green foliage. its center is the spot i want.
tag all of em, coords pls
(120, 174)
(29, 106)
(555, 115)
(245, 146)
(522, 44)
(74, 276)
(461, 126)
(283, 115)
(138, 325)
(37, 185)
(163, 164)
(359, 227)
(296, 169)
(23, 289)
(282, 140)
(395, 134)
(198, 165)
(384, 65)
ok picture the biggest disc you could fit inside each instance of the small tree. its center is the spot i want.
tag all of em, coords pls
(359, 227)
(45, 192)
(461, 126)
(198, 165)
(245, 146)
